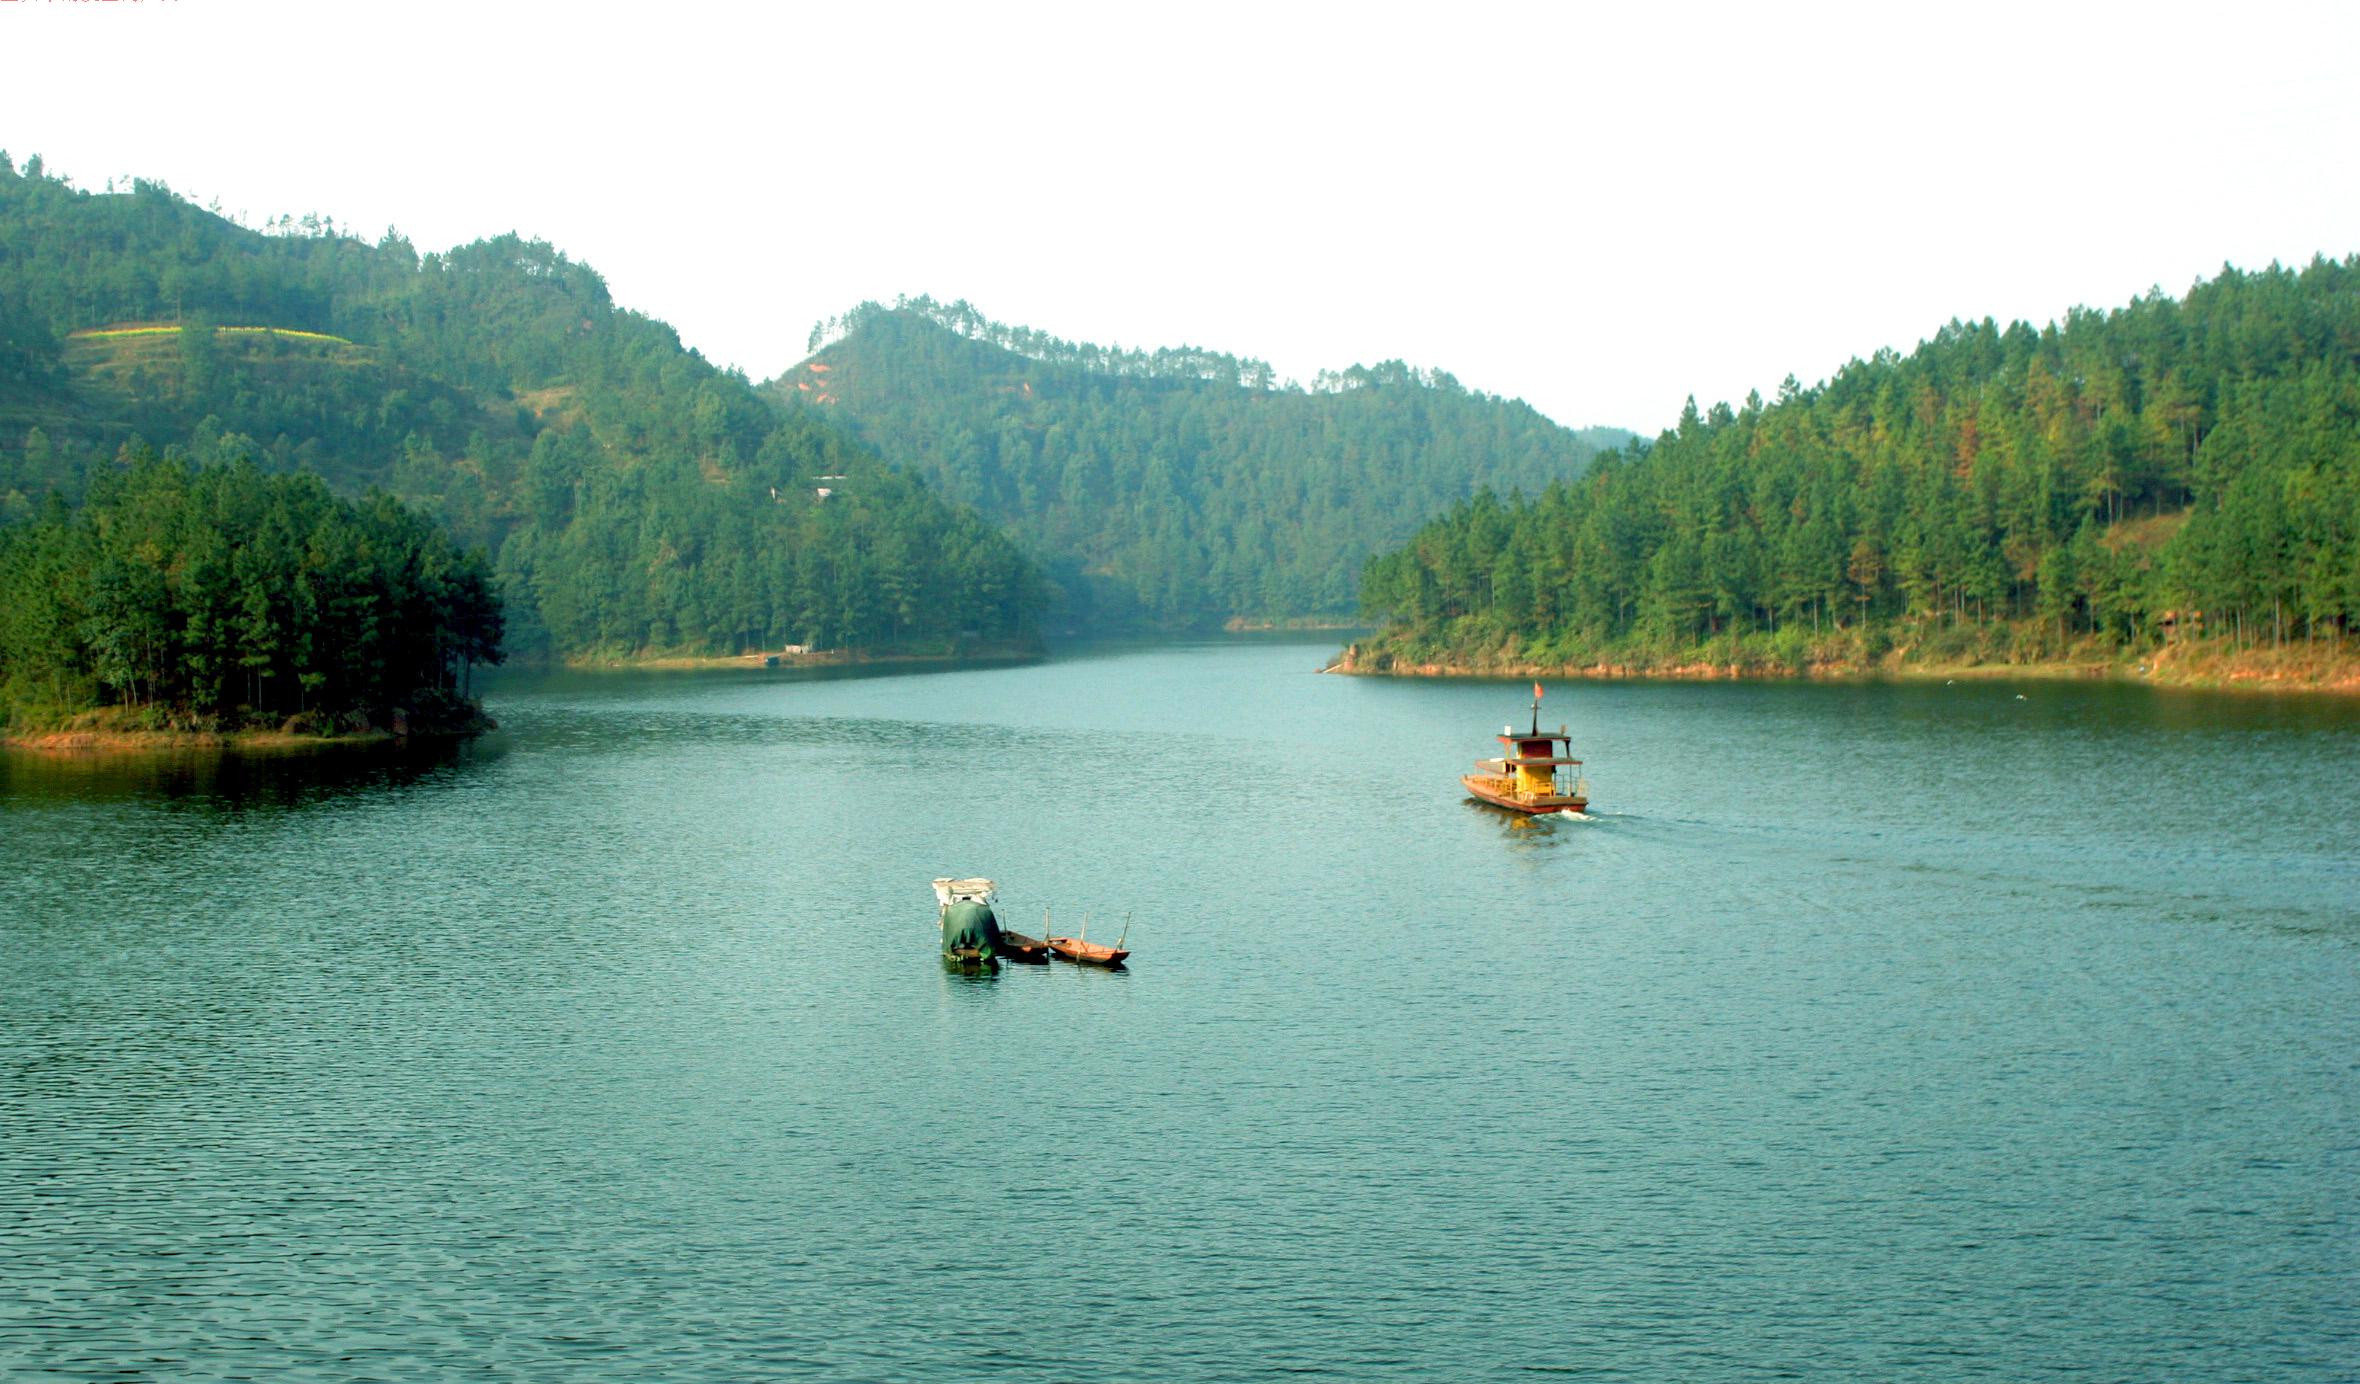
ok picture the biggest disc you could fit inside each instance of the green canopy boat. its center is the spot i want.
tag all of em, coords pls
(970, 930)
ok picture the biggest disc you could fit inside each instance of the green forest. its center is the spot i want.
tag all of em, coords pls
(630, 497)
(217, 597)
(2174, 470)
(1178, 487)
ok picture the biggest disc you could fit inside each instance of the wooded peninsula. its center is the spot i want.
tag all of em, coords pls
(223, 601)
(2172, 486)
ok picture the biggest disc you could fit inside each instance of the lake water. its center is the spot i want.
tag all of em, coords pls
(1994, 1031)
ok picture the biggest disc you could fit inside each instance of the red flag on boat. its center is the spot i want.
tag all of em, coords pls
(1536, 691)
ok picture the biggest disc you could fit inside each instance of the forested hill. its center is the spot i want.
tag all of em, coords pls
(636, 497)
(1176, 487)
(2181, 471)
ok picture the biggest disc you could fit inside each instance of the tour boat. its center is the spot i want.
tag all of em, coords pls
(1531, 775)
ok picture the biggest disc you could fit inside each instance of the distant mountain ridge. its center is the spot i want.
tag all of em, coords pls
(1178, 487)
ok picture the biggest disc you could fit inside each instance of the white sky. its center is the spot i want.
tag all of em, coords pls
(1597, 208)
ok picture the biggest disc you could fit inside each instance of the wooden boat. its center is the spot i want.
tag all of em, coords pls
(1088, 953)
(1085, 952)
(1531, 775)
(1015, 946)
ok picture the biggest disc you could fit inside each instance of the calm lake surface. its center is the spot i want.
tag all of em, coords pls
(1993, 1030)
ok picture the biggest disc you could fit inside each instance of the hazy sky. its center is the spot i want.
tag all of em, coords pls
(1598, 208)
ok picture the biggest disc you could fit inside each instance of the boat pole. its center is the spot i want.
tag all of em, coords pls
(1118, 942)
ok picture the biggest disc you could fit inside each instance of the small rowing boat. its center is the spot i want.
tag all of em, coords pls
(1088, 953)
(1015, 946)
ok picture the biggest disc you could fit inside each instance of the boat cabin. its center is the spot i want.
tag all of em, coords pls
(1531, 763)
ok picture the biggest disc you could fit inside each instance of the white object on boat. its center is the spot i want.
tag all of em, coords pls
(948, 891)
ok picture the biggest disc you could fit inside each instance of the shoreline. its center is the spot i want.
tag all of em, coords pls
(826, 658)
(174, 741)
(103, 733)
(2200, 671)
(1304, 624)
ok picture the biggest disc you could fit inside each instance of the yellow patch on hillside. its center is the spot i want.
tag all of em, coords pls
(124, 360)
(160, 329)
